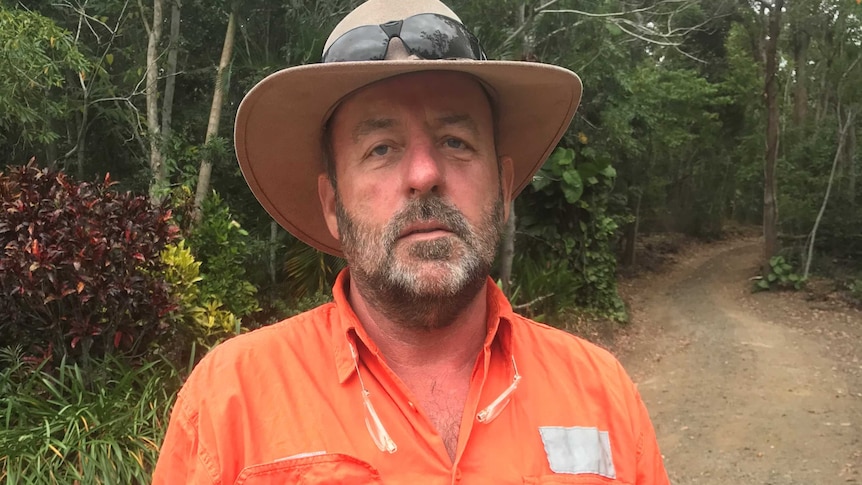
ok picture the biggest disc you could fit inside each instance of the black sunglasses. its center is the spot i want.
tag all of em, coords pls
(427, 35)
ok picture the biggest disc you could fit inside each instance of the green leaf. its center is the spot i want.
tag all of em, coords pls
(540, 181)
(109, 58)
(574, 187)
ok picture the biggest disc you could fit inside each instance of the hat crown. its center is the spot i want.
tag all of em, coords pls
(376, 12)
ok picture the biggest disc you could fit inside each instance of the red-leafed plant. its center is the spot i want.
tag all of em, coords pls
(79, 268)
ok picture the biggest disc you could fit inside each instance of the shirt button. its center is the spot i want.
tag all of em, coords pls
(412, 406)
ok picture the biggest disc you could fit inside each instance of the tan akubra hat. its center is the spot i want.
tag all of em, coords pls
(279, 125)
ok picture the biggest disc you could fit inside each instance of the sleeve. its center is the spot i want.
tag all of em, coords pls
(650, 464)
(180, 459)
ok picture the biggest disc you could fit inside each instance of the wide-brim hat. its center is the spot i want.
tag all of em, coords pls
(279, 125)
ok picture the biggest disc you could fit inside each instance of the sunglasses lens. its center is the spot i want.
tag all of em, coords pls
(429, 36)
(432, 36)
(366, 43)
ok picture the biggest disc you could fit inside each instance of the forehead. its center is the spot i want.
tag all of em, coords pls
(435, 94)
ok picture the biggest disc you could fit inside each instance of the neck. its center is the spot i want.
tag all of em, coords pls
(451, 346)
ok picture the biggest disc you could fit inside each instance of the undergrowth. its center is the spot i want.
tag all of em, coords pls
(63, 425)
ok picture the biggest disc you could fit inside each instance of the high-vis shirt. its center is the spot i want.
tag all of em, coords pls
(284, 404)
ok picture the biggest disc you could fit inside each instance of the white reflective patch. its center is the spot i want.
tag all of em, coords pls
(578, 450)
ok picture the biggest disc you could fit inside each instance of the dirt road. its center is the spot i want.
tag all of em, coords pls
(746, 388)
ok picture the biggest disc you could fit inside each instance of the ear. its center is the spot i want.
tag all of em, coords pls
(507, 175)
(327, 201)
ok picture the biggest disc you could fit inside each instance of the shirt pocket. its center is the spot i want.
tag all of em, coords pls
(320, 469)
(563, 478)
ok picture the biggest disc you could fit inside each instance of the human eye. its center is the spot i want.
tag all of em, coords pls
(455, 143)
(380, 150)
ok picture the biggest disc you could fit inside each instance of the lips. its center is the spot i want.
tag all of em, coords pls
(423, 227)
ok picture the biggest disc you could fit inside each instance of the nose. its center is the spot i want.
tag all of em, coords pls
(398, 52)
(424, 172)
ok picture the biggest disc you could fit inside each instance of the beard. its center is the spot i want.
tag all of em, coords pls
(422, 284)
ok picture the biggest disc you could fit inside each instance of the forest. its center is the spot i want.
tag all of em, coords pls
(132, 243)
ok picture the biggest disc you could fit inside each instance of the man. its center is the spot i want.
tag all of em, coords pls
(402, 152)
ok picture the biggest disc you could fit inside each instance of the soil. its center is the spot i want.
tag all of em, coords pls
(742, 387)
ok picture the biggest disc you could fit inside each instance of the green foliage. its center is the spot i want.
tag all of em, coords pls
(781, 276)
(79, 267)
(286, 309)
(572, 235)
(308, 270)
(67, 425)
(197, 312)
(39, 61)
(855, 288)
(223, 248)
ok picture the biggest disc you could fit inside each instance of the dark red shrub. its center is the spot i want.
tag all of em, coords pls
(79, 269)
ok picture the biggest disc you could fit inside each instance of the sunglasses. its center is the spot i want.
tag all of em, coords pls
(426, 35)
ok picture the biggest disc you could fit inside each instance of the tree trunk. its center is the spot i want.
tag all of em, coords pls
(770, 204)
(507, 251)
(81, 144)
(273, 238)
(853, 169)
(842, 135)
(171, 70)
(157, 165)
(205, 173)
(629, 255)
(800, 94)
(507, 245)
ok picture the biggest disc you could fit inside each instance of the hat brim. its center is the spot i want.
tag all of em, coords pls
(280, 121)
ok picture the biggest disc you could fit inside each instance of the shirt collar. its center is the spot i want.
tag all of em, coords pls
(347, 330)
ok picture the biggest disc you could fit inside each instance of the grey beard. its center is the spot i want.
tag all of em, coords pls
(391, 286)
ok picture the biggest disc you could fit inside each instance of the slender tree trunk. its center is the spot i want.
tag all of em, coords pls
(157, 165)
(171, 70)
(205, 173)
(507, 251)
(842, 135)
(81, 144)
(273, 237)
(770, 205)
(800, 93)
(630, 253)
(853, 170)
(507, 245)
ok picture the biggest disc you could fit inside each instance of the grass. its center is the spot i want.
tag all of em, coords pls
(67, 426)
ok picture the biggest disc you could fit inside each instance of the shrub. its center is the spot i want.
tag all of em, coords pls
(223, 248)
(70, 426)
(79, 268)
(200, 316)
(781, 276)
(855, 288)
(565, 227)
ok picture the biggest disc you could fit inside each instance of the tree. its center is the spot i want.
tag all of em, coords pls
(205, 172)
(764, 32)
(36, 95)
(157, 159)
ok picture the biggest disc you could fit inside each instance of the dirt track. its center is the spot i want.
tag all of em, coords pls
(746, 388)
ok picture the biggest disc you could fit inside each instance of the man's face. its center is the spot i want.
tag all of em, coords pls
(420, 201)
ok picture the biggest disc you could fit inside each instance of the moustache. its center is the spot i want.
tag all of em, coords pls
(427, 209)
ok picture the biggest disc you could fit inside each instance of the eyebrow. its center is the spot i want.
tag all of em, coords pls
(366, 127)
(464, 120)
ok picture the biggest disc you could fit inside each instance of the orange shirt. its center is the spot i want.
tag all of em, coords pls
(283, 404)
